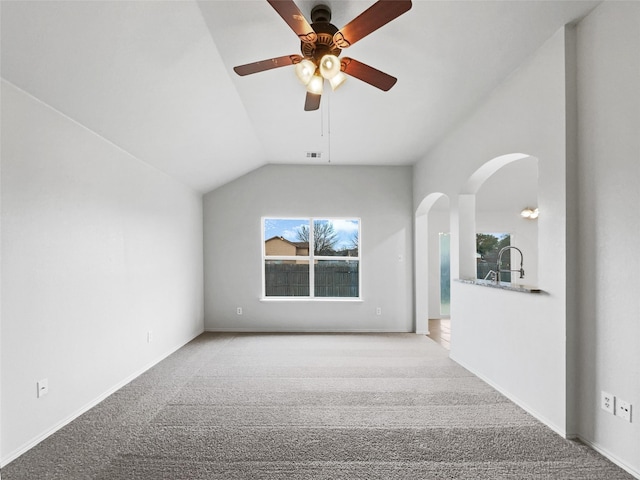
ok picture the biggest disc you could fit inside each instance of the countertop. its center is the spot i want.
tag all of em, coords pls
(502, 286)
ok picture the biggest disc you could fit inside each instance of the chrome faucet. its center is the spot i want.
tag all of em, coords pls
(499, 269)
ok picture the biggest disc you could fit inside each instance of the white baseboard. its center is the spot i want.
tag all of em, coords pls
(610, 456)
(560, 431)
(39, 438)
(300, 330)
(556, 428)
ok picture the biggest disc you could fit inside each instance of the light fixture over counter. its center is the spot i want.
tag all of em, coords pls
(530, 213)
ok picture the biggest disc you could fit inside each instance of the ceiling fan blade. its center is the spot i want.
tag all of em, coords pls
(312, 102)
(291, 14)
(376, 16)
(367, 74)
(263, 65)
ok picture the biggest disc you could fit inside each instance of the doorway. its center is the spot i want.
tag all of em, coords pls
(432, 267)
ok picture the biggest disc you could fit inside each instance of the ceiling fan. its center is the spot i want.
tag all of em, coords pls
(322, 43)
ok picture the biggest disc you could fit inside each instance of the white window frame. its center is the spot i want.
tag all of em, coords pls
(311, 258)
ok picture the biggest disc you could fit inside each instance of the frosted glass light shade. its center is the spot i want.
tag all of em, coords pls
(315, 85)
(337, 80)
(329, 66)
(305, 70)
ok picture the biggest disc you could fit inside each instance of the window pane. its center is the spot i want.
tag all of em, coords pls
(336, 278)
(336, 237)
(487, 247)
(445, 274)
(286, 237)
(286, 278)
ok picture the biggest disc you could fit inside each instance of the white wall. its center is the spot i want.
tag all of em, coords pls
(515, 341)
(608, 45)
(576, 107)
(379, 196)
(97, 249)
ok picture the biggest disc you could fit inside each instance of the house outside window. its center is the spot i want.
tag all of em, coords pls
(311, 258)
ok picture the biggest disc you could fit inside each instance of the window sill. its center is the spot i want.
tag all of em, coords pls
(314, 299)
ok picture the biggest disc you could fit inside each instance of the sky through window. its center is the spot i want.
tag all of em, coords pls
(346, 229)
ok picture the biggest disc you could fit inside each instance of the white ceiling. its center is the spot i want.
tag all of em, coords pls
(156, 78)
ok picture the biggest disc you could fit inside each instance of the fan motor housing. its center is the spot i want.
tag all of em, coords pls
(320, 14)
(324, 45)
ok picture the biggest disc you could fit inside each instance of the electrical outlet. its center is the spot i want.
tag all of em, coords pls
(239, 310)
(43, 387)
(623, 410)
(607, 402)
(378, 311)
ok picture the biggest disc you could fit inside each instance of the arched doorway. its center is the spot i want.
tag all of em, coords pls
(432, 267)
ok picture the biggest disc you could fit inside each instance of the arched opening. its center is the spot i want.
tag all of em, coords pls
(490, 213)
(432, 261)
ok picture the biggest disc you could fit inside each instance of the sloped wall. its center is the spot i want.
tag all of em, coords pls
(98, 249)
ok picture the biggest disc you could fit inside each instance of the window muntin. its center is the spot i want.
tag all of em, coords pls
(311, 258)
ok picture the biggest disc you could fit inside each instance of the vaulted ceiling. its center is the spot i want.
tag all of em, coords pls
(156, 77)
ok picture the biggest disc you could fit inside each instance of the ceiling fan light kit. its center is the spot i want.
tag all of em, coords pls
(329, 66)
(321, 44)
(305, 70)
(337, 80)
(315, 85)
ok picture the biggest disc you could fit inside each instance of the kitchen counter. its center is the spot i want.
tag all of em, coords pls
(502, 286)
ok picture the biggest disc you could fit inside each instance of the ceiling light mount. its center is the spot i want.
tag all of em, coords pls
(530, 213)
(324, 43)
(321, 14)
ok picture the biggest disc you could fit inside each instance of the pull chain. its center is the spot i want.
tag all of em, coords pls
(329, 128)
(322, 108)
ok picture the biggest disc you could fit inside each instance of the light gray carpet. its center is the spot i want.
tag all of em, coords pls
(319, 406)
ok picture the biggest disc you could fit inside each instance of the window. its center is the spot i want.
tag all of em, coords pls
(488, 245)
(311, 258)
(445, 274)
